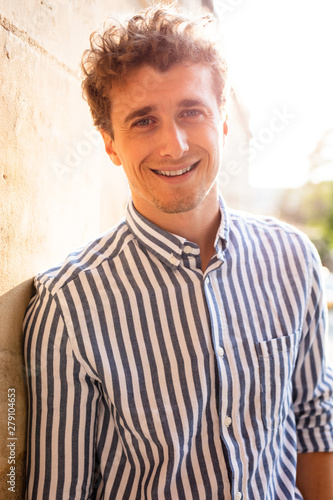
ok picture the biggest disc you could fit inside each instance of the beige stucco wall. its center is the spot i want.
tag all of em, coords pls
(57, 187)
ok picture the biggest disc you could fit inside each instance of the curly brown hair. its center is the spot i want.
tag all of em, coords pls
(158, 36)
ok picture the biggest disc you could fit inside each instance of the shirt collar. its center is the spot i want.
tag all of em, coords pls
(166, 246)
(222, 237)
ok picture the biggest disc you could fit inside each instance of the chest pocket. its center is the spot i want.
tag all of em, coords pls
(276, 359)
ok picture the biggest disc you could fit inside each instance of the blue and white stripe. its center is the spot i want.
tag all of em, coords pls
(149, 379)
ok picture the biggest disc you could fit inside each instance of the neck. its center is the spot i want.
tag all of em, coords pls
(199, 225)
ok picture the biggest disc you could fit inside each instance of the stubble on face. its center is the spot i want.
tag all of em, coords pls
(185, 204)
(179, 203)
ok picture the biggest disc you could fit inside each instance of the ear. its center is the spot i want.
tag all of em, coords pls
(225, 128)
(109, 148)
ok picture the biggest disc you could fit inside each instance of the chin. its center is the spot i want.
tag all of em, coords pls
(178, 206)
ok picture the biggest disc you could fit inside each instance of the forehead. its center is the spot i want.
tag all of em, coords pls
(147, 86)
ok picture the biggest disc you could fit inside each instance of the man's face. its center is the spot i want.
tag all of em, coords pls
(167, 136)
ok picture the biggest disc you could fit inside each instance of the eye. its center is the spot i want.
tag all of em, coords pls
(144, 122)
(192, 112)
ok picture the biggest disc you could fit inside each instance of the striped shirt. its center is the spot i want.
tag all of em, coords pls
(149, 379)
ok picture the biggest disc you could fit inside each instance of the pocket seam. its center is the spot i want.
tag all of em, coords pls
(274, 348)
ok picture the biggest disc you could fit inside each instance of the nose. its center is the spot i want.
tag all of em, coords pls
(173, 142)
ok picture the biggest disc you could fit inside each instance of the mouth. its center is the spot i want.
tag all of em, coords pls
(176, 173)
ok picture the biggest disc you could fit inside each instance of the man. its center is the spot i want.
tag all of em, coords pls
(180, 355)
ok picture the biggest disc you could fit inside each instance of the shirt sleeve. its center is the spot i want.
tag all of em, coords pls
(63, 406)
(313, 380)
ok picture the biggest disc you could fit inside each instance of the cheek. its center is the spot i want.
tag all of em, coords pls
(211, 144)
(206, 136)
(132, 168)
(136, 150)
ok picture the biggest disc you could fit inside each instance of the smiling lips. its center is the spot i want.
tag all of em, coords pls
(175, 173)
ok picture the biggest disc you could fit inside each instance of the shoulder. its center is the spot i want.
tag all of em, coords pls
(271, 237)
(248, 223)
(87, 258)
(261, 222)
(277, 250)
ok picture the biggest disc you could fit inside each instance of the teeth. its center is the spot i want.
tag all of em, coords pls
(174, 173)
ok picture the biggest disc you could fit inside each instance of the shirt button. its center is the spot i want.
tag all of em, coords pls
(207, 281)
(220, 352)
(173, 260)
(227, 421)
(187, 249)
(238, 495)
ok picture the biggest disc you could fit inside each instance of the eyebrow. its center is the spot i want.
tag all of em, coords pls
(138, 113)
(146, 110)
(189, 103)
